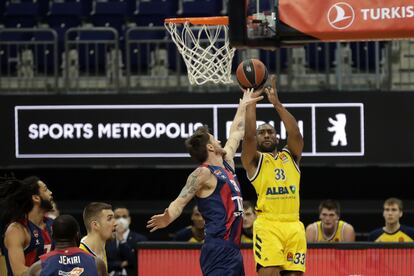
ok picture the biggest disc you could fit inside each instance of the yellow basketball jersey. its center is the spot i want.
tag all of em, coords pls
(404, 234)
(86, 248)
(336, 237)
(276, 182)
(395, 237)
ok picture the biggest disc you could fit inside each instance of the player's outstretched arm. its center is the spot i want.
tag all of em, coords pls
(195, 182)
(237, 126)
(295, 139)
(250, 155)
(14, 240)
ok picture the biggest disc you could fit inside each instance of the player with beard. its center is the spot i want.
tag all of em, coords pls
(279, 241)
(24, 204)
(218, 195)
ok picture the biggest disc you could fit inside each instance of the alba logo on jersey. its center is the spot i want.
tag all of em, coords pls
(277, 191)
(341, 15)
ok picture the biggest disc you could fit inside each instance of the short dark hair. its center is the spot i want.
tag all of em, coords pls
(92, 212)
(247, 205)
(330, 205)
(65, 228)
(16, 197)
(196, 144)
(121, 206)
(264, 124)
(394, 200)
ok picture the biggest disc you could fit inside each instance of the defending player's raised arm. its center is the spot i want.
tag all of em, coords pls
(237, 126)
(294, 139)
(250, 155)
(195, 182)
(14, 240)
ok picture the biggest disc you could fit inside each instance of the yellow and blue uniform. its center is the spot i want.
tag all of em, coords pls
(403, 234)
(86, 248)
(337, 236)
(246, 238)
(279, 236)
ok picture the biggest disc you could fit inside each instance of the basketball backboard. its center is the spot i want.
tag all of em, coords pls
(256, 24)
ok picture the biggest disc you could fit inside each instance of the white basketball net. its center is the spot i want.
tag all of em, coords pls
(206, 51)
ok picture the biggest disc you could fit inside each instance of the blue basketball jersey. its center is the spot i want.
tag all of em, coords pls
(69, 261)
(223, 209)
(40, 242)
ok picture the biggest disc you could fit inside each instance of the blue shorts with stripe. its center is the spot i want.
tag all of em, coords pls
(219, 257)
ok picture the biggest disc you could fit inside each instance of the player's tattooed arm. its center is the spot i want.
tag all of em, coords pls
(195, 182)
(192, 185)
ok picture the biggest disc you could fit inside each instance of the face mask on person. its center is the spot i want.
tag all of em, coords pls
(123, 222)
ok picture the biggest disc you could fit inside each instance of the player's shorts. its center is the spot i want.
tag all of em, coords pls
(219, 257)
(277, 243)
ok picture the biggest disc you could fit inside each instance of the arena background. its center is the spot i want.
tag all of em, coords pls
(97, 64)
(361, 175)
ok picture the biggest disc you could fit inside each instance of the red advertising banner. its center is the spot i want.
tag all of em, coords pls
(347, 20)
(320, 262)
(366, 262)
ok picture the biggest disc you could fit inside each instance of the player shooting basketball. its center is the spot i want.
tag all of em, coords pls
(278, 235)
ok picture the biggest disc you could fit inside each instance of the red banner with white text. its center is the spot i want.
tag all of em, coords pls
(320, 261)
(336, 20)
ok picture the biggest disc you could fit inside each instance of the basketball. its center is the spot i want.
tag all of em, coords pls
(251, 73)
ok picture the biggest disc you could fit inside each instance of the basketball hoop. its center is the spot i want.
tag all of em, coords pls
(204, 44)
